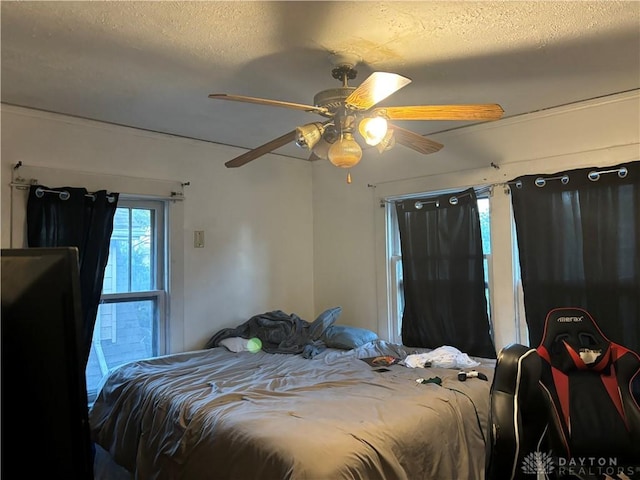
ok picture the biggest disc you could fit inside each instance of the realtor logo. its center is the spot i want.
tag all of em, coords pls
(538, 462)
(605, 468)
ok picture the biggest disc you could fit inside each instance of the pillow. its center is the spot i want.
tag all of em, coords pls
(346, 337)
(324, 321)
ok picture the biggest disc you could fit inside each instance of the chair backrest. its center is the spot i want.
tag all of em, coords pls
(518, 413)
(588, 381)
(574, 396)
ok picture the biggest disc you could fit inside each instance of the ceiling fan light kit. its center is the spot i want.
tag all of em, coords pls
(353, 123)
(373, 130)
(307, 136)
(346, 152)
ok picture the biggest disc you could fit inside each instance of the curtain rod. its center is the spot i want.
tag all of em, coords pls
(64, 195)
(593, 175)
(174, 194)
(453, 199)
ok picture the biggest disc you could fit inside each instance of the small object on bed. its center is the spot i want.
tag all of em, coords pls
(436, 380)
(442, 357)
(254, 345)
(381, 360)
(462, 376)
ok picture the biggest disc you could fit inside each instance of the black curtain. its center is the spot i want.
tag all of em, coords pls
(443, 274)
(72, 217)
(579, 242)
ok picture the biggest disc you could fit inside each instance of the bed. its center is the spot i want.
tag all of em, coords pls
(218, 414)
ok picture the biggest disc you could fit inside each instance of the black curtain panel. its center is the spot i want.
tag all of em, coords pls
(579, 241)
(443, 274)
(73, 217)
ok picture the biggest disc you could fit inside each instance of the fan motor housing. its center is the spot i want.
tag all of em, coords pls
(333, 98)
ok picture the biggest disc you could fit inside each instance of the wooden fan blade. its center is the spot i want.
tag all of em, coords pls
(415, 141)
(261, 150)
(264, 101)
(489, 111)
(377, 87)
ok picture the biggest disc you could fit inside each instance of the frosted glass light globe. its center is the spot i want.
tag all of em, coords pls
(373, 130)
(345, 152)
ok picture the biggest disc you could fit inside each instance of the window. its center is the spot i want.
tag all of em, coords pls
(396, 296)
(485, 231)
(131, 317)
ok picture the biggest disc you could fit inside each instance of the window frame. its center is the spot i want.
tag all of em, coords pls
(394, 258)
(159, 293)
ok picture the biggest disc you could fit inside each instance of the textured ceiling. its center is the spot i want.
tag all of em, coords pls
(151, 65)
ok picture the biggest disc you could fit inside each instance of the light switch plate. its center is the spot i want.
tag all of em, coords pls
(198, 238)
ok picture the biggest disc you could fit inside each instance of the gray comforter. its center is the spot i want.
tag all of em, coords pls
(279, 332)
(213, 414)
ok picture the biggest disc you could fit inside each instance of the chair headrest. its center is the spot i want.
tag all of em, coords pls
(572, 340)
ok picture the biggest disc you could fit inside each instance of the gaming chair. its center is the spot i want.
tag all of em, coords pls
(515, 428)
(573, 397)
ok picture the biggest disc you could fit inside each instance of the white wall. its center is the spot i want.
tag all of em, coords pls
(257, 221)
(286, 234)
(349, 255)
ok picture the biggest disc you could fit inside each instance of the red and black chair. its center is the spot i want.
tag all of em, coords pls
(585, 405)
(589, 381)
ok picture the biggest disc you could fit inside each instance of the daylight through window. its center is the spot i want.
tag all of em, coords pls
(131, 314)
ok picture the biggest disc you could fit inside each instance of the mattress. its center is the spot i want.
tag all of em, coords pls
(215, 414)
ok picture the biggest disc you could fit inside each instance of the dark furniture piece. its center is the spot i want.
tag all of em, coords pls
(567, 409)
(516, 411)
(45, 430)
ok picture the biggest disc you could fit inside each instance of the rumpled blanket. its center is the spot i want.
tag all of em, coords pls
(443, 357)
(279, 332)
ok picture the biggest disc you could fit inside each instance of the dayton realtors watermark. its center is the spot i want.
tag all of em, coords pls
(604, 467)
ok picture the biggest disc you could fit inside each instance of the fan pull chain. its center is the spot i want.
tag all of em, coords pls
(349, 177)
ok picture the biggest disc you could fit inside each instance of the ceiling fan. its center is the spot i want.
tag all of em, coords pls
(352, 121)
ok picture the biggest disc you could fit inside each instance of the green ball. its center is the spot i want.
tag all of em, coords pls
(254, 345)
